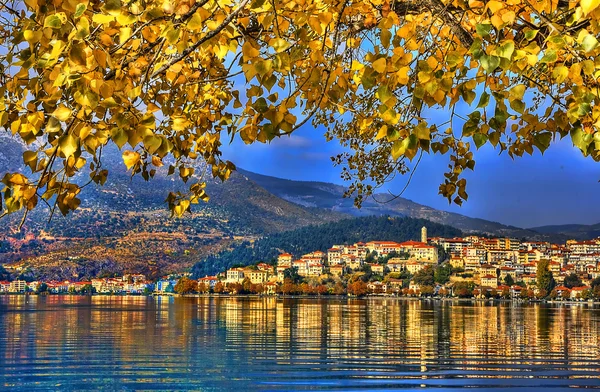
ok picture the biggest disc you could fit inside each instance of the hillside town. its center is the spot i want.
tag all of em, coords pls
(471, 266)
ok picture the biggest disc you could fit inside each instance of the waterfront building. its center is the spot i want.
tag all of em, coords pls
(209, 281)
(17, 286)
(235, 275)
(4, 286)
(256, 276)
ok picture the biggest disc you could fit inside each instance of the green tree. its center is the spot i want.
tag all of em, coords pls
(292, 274)
(442, 273)
(508, 280)
(88, 289)
(41, 288)
(371, 257)
(545, 279)
(572, 280)
(424, 277)
(4, 275)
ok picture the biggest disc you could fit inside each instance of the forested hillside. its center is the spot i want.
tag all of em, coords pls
(125, 225)
(321, 237)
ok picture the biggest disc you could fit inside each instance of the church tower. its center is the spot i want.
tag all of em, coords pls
(424, 234)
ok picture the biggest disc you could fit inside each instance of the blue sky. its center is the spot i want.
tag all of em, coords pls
(559, 187)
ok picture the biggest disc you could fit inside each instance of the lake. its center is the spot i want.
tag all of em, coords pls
(213, 344)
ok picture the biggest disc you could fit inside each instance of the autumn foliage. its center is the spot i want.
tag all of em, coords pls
(186, 286)
(168, 82)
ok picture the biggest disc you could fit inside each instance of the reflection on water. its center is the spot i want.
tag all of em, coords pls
(132, 343)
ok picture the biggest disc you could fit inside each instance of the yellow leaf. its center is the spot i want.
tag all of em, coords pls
(126, 19)
(560, 73)
(102, 19)
(62, 113)
(156, 161)
(119, 137)
(380, 65)
(32, 36)
(279, 44)
(588, 6)
(124, 34)
(195, 22)
(130, 158)
(249, 51)
(83, 28)
(77, 55)
(402, 75)
(29, 156)
(113, 7)
(517, 92)
(356, 66)
(68, 145)
(385, 37)
(495, 6)
(382, 132)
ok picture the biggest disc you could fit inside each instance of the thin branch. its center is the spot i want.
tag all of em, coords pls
(412, 173)
(207, 37)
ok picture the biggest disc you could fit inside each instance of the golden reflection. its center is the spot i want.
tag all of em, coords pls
(422, 338)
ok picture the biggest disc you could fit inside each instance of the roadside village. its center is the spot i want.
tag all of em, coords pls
(441, 267)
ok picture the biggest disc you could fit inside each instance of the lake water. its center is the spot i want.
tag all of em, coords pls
(209, 344)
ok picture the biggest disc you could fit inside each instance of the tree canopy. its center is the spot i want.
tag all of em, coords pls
(545, 279)
(169, 82)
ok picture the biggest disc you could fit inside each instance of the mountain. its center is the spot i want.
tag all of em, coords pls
(125, 226)
(331, 197)
(574, 231)
(321, 237)
(11, 155)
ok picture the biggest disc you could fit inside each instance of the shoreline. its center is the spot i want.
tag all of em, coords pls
(495, 301)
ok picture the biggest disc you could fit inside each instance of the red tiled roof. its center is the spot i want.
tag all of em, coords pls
(581, 288)
(411, 243)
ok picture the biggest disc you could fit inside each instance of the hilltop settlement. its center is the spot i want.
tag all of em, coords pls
(467, 267)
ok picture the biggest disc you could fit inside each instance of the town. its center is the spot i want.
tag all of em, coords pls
(468, 267)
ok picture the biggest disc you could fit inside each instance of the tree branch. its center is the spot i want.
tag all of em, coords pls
(208, 36)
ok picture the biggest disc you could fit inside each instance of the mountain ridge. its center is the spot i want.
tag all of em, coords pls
(305, 192)
(574, 230)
